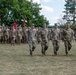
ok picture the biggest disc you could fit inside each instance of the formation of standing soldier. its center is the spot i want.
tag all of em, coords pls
(40, 35)
(13, 36)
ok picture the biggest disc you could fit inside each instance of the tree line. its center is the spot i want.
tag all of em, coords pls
(70, 11)
(18, 10)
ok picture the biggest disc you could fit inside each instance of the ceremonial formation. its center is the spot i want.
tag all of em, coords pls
(39, 35)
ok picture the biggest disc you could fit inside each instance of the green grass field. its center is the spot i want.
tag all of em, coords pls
(15, 60)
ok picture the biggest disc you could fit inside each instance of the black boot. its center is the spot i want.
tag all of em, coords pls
(55, 52)
(46, 47)
(30, 52)
(69, 48)
(33, 48)
(66, 53)
(57, 48)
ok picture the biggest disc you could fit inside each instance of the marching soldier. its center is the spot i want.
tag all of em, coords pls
(68, 36)
(32, 38)
(44, 39)
(13, 36)
(55, 39)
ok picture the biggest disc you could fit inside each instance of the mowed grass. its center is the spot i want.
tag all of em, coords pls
(15, 60)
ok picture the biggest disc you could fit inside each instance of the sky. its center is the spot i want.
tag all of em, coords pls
(52, 9)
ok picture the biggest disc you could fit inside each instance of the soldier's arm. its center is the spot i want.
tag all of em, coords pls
(28, 35)
(62, 35)
(40, 35)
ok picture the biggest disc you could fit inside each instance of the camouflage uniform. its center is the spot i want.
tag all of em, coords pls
(68, 35)
(3, 34)
(19, 35)
(7, 34)
(55, 39)
(38, 35)
(44, 40)
(13, 36)
(25, 35)
(49, 34)
(0, 34)
(32, 39)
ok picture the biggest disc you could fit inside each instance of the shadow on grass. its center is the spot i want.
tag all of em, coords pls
(34, 55)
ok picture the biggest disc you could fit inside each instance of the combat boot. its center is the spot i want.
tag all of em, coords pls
(66, 52)
(55, 52)
(33, 48)
(30, 52)
(69, 48)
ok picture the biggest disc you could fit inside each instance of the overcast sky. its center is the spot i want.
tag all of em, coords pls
(51, 9)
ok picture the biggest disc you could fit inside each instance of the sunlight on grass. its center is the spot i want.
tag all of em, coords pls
(15, 60)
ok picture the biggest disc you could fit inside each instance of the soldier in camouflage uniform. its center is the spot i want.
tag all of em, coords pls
(38, 35)
(19, 35)
(24, 35)
(49, 34)
(3, 34)
(13, 36)
(68, 35)
(7, 34)
(0, 34)
(55, 39)
(44, 39)
(32, 38)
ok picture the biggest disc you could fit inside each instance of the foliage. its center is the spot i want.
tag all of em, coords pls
(17, 10)
(70, 8)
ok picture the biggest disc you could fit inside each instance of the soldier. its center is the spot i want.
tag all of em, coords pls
(13, 36)
(3, 34)
(44, 39)
(0, 34)
(32, 38)
(38, 35)
(68, 35)
(49, 34)
(24, 35)
(7, 34)
(55, 38)
(19, 35)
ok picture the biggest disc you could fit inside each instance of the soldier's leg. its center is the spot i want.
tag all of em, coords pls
(66, 46)
(11, 39)
(54, 47)
(0, 39)
(69, 45)
(33, 45)
(46, 46)
(57, 45)
(7, 39)
(30, 47)
(19, 40)
(42, 46)
(13, 42)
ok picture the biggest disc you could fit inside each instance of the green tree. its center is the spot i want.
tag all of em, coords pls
(17, 10)
(70, 11)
